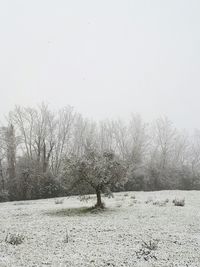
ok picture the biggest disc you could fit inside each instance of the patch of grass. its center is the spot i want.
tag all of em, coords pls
(66, 239)
(21, 203)
(14, 239)
(74, 212)
(160, 203)
(24, 203)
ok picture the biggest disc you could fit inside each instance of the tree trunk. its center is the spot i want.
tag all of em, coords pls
(11, 152)
(99, 203)
(1, 176)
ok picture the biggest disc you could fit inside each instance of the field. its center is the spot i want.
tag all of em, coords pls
(130, 232)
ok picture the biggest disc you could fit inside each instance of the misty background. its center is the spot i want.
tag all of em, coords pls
(107, 59)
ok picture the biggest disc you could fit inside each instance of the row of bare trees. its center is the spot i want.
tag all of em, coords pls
(36, 145)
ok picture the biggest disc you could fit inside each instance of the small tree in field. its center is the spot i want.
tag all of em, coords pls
(94, 171)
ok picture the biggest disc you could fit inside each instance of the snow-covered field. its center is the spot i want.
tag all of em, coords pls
(69, 235)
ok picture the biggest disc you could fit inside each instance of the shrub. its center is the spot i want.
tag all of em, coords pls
(179, 202)
(151, 245)
(14, 239)
(59, 201)
(4, 196)
(49, 186)
(149, 200)
(161, 203)
(108, 193)
(146, 250)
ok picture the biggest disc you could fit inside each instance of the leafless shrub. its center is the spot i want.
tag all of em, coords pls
(156, 203)
(4, 196)
(150, 245)
(133, 201)
(160, 203)
(66, 238)
(149, 200)
(14, 239)
(133, 197)
(179, 202)
(85, 198)
(146, 250)
(126, 195)
(59, 201)
(108, 194)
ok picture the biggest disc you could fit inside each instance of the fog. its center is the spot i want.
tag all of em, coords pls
(105, 58)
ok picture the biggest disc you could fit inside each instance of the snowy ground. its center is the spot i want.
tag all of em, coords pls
(111, 238)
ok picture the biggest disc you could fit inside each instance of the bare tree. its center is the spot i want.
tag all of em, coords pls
(11, 152)
(64, 127)
(2, 155)
(36, 128)
(168, 153)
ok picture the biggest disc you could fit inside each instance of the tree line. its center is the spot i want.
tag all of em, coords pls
(45, 153)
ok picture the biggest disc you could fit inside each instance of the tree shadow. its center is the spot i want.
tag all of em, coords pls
(70, 212)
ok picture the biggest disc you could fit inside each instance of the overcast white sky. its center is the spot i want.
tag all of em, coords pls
(106, 58)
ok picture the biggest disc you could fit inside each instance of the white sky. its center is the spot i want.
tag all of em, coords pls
(106, 58)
